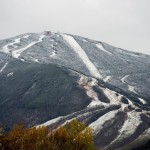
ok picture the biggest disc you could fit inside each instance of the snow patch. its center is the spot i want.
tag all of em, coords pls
(53, 53)
(68, 121)
(1, 70)
(76, 47)
(131, 88)
(10, 74)
(26, 36)
(36, 60)
(84, 40)
(6, 49)
(124, 78)
(107, 78)
(48, 123)
(142, 101)
(52, 40)
(22, 60)
(102, 48)
(52, 46)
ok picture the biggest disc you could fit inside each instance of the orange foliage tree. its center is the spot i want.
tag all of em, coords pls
(73, 136)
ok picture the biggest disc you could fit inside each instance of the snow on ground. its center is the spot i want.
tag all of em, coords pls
(107, 78)
(131, 88)
(135, 55)
(142, 101)
(16, 41)
(6, 49)
(114, 99)
(52, 46)
(76, 47)
(124, 78)
(5, 65)
(68, 121)
(17, 53)
(22, 60)
(140, 140)
(48, 123)
(88, 86)
(132, 122)
(53, 53)
(52, 40)
(10, 74)
(35, 60)
(98, 124)
(26, 36)
(102, 48)
(84, 40)
(129, 127)
(131, 54)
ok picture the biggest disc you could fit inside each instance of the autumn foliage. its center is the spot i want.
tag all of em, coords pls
(72, 136)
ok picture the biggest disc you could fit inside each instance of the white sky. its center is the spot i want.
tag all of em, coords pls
(122, 23)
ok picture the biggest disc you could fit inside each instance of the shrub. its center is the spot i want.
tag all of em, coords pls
(72, 136)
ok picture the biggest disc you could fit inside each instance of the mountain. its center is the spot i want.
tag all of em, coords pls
(51, 78)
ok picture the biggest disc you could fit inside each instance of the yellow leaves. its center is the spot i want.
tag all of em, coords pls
(75, 136)
(72, 136)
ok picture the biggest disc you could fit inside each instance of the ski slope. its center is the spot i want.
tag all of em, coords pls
(81, 53)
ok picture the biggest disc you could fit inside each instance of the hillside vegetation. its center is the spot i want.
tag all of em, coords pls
(72, 136)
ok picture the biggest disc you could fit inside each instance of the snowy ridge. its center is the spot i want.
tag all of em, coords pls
(76, 47)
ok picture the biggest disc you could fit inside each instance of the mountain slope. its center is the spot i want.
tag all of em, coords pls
(58, 77)
(128, 70)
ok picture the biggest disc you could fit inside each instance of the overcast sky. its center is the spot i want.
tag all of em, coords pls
(122, 23)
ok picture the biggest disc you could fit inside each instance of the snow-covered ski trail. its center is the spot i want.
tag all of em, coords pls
(18, 52)
(81, 53)
(3, 67)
